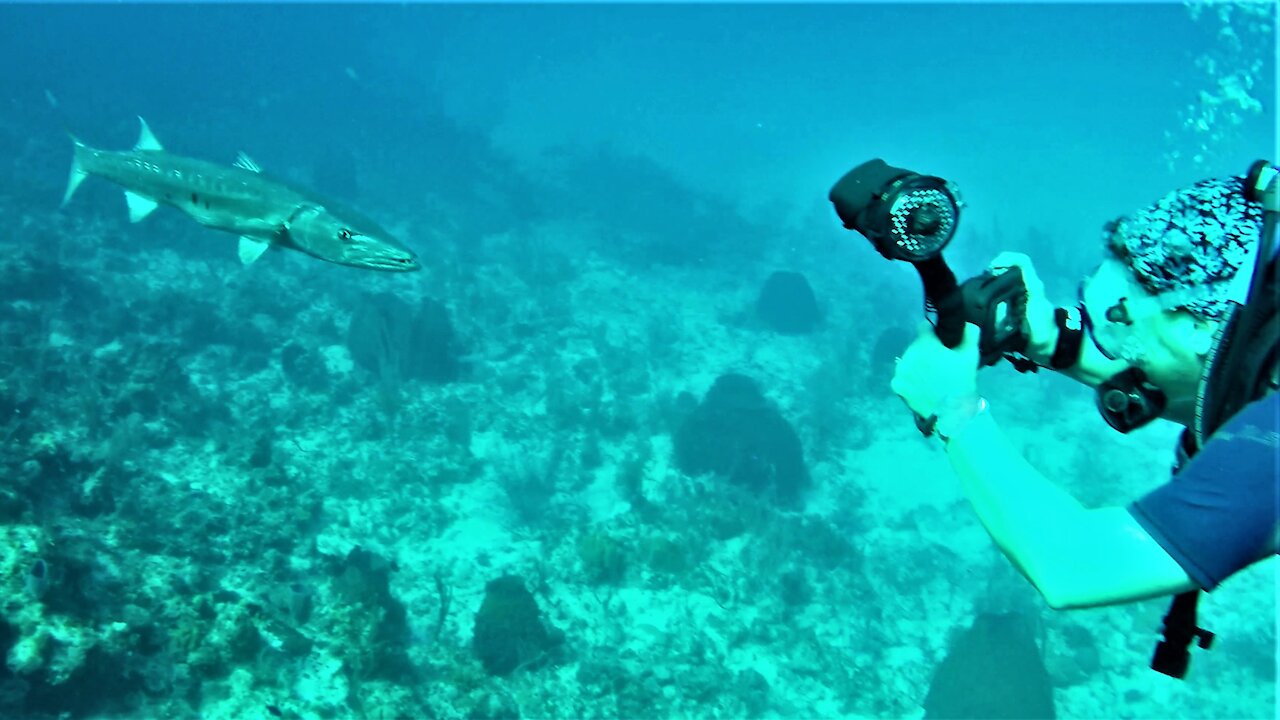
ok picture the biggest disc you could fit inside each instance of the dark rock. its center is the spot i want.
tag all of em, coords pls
(736, 433)
(103, 685)
(263, 450)
(753, 689)
(787, 305)
(794, 589)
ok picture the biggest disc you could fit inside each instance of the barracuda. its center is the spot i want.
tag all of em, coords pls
(239, 199)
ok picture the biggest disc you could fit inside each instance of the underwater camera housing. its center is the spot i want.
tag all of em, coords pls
(912, 217)
(905, 215)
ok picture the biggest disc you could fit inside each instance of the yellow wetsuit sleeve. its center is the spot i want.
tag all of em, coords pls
(1075, 557)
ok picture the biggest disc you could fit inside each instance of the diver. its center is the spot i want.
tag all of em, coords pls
(1178, 322)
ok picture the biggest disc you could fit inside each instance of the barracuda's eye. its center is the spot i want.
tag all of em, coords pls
(344, 235)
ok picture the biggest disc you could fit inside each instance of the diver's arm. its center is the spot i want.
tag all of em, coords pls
(1076, 557)
(1091, 366)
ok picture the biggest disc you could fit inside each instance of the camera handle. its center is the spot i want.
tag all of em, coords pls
(942, 293)
(995, 303)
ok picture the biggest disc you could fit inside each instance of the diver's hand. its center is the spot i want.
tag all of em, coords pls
(1042, 330)
(930, 375)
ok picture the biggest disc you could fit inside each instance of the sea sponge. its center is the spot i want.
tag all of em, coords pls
(787, 305)
(736, 433)
(993, 669)
(388, 338)
(509, 632)
(603, 558)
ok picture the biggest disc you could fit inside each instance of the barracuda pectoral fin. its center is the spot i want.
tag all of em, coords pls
(140, 206)
(251, 249)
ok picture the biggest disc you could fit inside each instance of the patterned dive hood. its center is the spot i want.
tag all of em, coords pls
(1191, 244)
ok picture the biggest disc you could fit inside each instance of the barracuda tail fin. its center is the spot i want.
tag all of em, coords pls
(78, 173)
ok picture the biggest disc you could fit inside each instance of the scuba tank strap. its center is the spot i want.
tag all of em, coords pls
(1187, 447)
(1173, 653)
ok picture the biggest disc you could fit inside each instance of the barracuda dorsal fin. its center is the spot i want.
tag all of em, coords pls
(146, 139)
(251, 249)
(139, 206)
(245, 162)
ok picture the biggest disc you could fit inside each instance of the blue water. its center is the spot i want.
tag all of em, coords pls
(597, 194)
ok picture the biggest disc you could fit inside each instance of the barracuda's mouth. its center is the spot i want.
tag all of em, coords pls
(394, 264)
